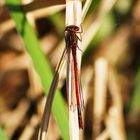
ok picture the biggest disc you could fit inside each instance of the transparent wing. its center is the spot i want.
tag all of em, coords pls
(70, 80)
(48, 105)
(74, 88)
(81, 94)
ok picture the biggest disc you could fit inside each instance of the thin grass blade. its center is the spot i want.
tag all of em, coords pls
(48, 105)
(40, 63)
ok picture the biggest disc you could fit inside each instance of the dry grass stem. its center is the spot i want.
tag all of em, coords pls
(115, 120)
(90, 33)
(6, 26)
(103, 136)
(16, 117)
(35, 5)
(47, 11)
(73, 17)
(20, 62)
(101, 77)
(31, 16)
(106, 6)
(94, 27)
(85, 9)
(30, 128)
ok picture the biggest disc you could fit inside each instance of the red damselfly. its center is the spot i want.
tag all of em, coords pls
(72, 37)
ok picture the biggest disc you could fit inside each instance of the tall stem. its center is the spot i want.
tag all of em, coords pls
(73, 17)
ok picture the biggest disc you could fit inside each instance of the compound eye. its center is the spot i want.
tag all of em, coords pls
(76, 28)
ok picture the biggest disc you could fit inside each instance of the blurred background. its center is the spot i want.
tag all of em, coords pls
(31, 43)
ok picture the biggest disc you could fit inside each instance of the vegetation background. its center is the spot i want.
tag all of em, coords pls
(31, 43)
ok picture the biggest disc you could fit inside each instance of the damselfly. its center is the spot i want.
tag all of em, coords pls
(72, 37)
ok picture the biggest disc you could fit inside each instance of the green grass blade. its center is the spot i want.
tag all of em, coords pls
(2, 135)
(40, 63)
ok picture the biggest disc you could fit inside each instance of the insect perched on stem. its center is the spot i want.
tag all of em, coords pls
(71, 39)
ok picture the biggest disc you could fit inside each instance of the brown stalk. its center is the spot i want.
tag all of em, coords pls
(115, 120)
(99, 106)
(41, 4)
